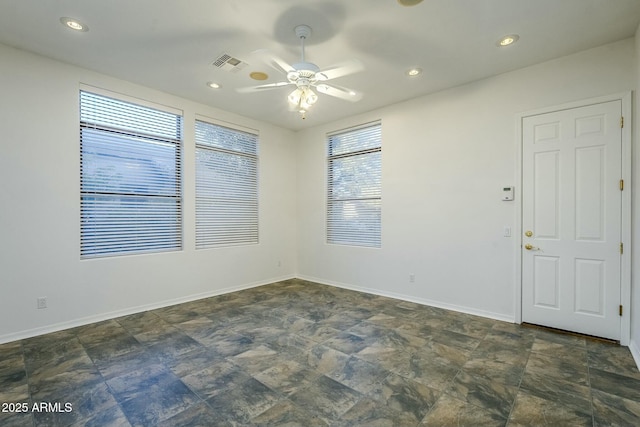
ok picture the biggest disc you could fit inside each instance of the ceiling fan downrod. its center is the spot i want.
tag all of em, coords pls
(303, 32)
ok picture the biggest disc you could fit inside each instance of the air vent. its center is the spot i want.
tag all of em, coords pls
(229, 63)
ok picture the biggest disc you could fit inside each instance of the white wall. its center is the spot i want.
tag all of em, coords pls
(446, 158)
(39, 210)
(635, 273)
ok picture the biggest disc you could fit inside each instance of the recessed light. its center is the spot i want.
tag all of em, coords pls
(413, 72)
(507, 40)
(259, 75)
(74, 24)
(409, 2)
(214, 85)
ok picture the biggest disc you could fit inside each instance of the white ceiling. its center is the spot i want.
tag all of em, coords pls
(170, 45)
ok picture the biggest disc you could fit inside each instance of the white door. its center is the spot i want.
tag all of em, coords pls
(571, 219)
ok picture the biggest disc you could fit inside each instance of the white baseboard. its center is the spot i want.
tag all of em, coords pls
(29, 333)
(428, 302)
(635, 352)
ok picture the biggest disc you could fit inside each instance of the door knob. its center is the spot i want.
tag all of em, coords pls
(528, 233)
(528, 246)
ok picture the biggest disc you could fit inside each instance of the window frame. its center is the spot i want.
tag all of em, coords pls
(344, 232)
(117, 219)
(243, 226)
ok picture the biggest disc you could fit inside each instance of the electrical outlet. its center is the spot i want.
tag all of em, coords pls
(412, 278)
(42, 303)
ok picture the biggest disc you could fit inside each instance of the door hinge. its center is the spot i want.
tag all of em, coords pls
(621, 121)
(621, 248)
(621, 184)
(620, 310)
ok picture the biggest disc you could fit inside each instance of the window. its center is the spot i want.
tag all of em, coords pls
(130, 179)
(355, 186)
(226, 186)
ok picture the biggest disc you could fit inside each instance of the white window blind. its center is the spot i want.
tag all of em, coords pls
(226, 186)
(130, 158)
(355, 186)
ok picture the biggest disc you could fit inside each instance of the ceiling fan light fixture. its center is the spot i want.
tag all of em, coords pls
(74, 24)
(507, 40)
(295, 97)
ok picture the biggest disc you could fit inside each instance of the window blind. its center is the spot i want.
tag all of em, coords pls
(354, 198)
(226, 186)
(130, 161)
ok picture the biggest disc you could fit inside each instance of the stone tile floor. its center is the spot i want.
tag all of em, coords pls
(296, 353)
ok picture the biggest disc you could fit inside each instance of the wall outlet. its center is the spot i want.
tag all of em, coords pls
(42, 303)
(412, 278)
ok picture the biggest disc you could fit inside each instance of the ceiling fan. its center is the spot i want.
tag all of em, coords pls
(306, 75)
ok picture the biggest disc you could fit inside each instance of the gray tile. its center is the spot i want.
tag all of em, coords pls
(326, 398)
(501, 352)
(492, 396)
(11, 349)
(559, 365)
(101, 332)
(535, 411)
(111, 348)
(158, 403)
(405, 396)
(423, 368)
(286, 414)
(13, 373)
(612, 410)
(326, 360)
(193, 361)
(18, 394)
(232, 345)
(215, 379)
(141, 381)
(612, 358)
(111, 417)
(369, 412)
(347, 343)
(619, 385)
(455, 339)
(500, 372)
(288, 376)
(84, 403)
(198, 415)
(13, 419)
(451, 412)
(56, 378)
(144, 322)
(244, 401)
(298, 353)
(138, 358)
(256, 359)
(568, 394)
(361, 375)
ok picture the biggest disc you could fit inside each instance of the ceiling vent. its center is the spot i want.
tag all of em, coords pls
(229, 63)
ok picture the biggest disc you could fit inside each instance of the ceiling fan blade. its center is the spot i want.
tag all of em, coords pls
(339, 92)
(274, 61)
(341, 69)
(261, 88)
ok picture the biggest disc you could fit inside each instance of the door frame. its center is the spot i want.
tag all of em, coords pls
(625, 267)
